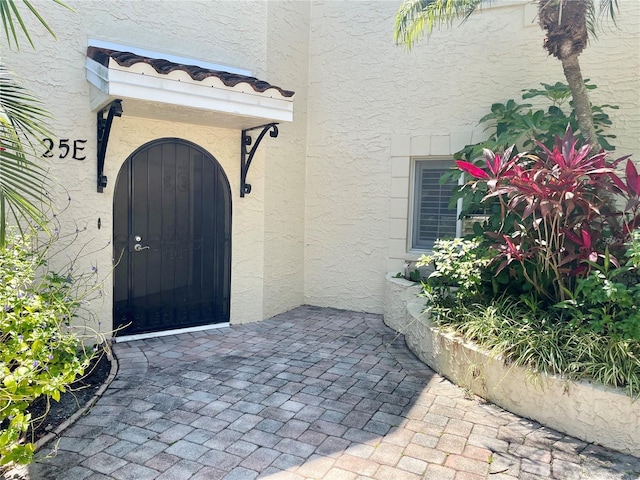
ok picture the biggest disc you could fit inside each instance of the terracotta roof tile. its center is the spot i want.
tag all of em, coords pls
(127, 59)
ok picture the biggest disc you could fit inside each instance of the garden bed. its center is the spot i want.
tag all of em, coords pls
(590, 412)
(78, 395)
(75, 402)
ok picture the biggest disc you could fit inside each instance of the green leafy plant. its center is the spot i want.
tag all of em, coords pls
(518, 125)
(415, 275)
(633, 251)
(607, 300)
(42, 345)
(557, 212)
(513, 123)
(457, 263)
(41, 348)
(508, 329)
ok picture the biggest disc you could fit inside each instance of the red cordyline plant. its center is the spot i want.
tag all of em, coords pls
(558, 211)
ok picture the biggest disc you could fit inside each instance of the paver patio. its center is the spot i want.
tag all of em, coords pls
(314, 393)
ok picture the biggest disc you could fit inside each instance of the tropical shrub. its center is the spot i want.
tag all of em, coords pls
(558, 212)
(520, 126)
(459, 263)
(607, 300)
(555, 286)
(41, 352)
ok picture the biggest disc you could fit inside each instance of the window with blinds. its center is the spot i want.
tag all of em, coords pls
(432, 219)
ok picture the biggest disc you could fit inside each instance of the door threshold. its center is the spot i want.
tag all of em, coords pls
(166, 333)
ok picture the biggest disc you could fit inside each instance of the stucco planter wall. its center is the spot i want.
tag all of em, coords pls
(590, 412)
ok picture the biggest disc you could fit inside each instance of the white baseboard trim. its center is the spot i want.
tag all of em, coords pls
(166, 333)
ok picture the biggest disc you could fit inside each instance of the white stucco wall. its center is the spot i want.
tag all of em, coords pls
(288, 57)
(373, 107)
(328, 212)
(228, 33)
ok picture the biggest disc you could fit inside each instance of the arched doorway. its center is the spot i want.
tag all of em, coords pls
(171, 239)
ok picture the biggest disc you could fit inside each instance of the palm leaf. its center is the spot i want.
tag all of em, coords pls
(12, 21)
(417, 17)
(7, 21)
(24, 179)
(595, 15)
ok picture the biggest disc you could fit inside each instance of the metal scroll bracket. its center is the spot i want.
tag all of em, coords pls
(114, 109)
(246, 154)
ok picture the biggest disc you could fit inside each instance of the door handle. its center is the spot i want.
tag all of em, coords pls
(137, 247)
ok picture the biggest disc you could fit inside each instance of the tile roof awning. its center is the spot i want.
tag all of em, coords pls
(157, 88)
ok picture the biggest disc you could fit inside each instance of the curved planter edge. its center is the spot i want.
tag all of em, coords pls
(588, 411)
(84, 410)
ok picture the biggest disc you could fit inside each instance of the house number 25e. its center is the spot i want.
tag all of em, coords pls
(65, 147)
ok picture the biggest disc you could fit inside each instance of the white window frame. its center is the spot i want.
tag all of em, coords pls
(418, 163)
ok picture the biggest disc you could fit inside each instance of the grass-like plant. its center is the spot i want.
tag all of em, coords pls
(508, 328)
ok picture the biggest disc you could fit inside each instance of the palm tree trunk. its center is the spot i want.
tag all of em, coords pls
(572, 73)
(565, 24)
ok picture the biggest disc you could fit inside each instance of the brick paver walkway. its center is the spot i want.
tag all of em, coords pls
(314, 393)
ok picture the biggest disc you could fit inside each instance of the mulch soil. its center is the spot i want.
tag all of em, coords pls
(49, 415)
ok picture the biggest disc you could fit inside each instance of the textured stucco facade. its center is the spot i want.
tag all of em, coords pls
(328, 213)
(374, 108)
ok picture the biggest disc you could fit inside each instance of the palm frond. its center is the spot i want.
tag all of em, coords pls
(416, 18)
(12, 21)
(597, 12)
(24, 181)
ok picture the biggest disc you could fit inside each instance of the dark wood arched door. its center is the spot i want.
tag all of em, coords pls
(171, 238)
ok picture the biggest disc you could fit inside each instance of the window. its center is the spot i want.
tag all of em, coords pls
(432, 219)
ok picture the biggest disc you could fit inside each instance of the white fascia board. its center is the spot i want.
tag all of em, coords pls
(155, 89)
(98, 75)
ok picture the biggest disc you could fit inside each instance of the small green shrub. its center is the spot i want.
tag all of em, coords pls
(458, 263)
(607, 300)
(40, 350)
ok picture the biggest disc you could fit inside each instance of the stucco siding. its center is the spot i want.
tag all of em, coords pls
(329, 212)
(231, 33)
(288, 59)
(373, 107)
